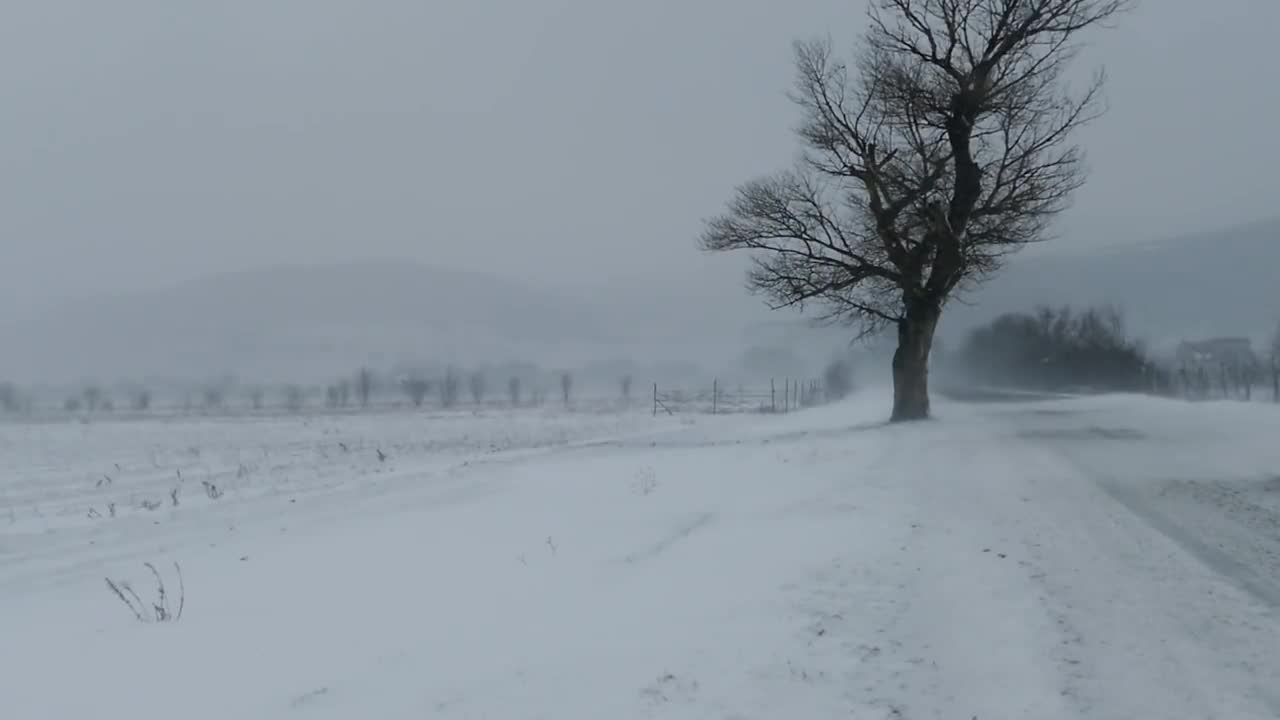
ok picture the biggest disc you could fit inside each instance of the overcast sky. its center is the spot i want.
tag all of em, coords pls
(147, 142)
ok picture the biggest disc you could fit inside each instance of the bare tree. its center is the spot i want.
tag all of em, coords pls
(566, 387)
(142, 400)
(1274, 353)
(942, 149)
(294, 398)
(256, 396)
(625, 384)
(417, 389)
(1057, 349)
(476, 384)
(9, 401)
(364, 386)
(513, 390)
(92, 397)
(213, 396)
(837, 378)
(450, 388)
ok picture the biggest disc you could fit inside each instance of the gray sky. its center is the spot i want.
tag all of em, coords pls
(147, 142)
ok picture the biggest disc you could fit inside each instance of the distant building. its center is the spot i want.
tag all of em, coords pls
(1221, 352)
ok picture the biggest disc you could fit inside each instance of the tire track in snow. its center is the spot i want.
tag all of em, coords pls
(1137, 495)
(1196, 625)
(681, 532)
(1237, 573)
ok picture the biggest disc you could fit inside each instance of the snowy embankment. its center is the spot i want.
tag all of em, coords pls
(1097, 558)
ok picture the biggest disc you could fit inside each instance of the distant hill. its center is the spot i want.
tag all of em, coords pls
(300, 322)
(311, 323)
(304, 324)
(1217, 283)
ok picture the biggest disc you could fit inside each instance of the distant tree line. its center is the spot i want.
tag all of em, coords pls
(1058, 349)
(1227, 368)
(526, 386)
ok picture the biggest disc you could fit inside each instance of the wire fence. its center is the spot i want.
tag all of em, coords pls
(779, 396)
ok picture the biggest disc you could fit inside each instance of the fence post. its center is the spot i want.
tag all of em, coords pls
(715, 396)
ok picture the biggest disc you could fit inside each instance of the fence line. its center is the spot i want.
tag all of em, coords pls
(780, 397)
(1221, 381)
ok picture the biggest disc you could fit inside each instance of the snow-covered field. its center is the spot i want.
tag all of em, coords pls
(1072, 558)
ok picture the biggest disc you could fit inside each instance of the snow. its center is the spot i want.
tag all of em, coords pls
(1114, 557)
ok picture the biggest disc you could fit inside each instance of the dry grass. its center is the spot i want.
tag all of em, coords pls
(158, 610)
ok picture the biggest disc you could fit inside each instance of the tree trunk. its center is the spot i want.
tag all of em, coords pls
(911, 363)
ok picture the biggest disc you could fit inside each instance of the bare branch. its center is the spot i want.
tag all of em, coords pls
(808, 246)
(945, 145)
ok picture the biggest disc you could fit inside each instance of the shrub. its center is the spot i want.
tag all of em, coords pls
(1057, 348)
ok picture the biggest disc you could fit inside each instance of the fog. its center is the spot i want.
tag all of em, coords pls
(570, 147)
(396, 359)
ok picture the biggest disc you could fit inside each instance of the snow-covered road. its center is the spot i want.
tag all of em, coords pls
(1164, 605)
(1093, 558)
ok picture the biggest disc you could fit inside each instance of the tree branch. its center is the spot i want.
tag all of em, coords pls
(942, 149)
